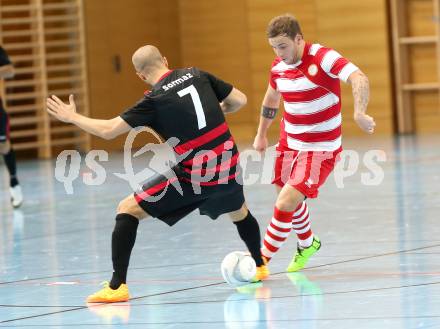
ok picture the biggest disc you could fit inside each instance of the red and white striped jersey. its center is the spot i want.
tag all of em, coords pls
(311, 92)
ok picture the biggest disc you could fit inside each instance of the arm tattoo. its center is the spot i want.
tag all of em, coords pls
(361, 93)
(268, 112)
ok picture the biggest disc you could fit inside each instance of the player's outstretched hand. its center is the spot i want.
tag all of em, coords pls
(61, 110)
(365, 122)
(260, 143)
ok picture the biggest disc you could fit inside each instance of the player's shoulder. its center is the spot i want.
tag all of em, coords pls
(188, 71)
(172, 80)
(318, 51)
(198, 73)
(184, 74)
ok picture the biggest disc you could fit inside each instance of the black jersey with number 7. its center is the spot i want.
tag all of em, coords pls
(184, 104)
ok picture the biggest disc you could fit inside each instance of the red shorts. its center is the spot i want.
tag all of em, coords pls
(306, 171)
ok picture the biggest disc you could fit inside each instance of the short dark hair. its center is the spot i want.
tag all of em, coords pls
(285, 24)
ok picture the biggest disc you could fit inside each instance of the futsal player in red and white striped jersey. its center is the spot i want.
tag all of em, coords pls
(307, 77)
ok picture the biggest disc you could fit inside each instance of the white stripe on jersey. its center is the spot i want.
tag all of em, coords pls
(329, 59)
(295, 85)
(324, 126)
(314, 49)
(314, 106)
(296, 144)
(346, 71)
(308, 100)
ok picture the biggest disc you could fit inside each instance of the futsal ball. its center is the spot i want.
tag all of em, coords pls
(238, 268)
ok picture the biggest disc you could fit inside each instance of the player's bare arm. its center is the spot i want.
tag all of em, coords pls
(271, 103)
(361, 94)
(107, 129)
(6, 71)
(235, 101)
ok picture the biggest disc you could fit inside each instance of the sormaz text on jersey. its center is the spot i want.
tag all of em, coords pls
(177, 81)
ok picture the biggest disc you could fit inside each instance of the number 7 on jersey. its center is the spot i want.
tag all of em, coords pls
(201, 120)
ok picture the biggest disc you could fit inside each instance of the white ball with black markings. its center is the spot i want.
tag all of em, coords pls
(238, 268)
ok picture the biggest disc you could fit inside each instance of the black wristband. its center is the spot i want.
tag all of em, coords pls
(268, 112)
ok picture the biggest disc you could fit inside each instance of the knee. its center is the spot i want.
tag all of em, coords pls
(124, 207)
(284, 204)
(288, 199)
(239, 214)
(131, 207)
(121, 207)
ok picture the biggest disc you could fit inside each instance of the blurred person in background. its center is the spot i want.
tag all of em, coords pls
(7, 71)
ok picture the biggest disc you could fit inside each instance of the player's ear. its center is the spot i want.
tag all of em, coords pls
(165, 61)
(141, 76)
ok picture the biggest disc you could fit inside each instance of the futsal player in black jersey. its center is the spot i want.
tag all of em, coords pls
(7, 71)
(187, 104)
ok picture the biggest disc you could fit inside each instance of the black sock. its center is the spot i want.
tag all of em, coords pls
(123, 239)
(11, 164)
(249, 232)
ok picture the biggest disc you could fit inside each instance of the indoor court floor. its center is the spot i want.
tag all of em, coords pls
(379, 265)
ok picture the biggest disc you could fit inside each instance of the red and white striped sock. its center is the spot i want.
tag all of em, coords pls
(301, 225)
(277, 232)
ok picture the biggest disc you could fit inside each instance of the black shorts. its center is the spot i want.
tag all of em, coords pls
(170, 206)
(4, 124)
